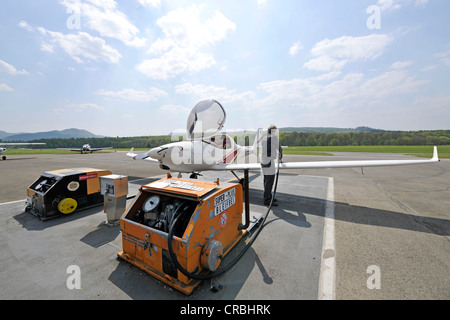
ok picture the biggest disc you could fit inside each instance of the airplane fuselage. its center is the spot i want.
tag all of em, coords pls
(198, 155)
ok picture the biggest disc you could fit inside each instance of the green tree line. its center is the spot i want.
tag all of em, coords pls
(115, 142)
(407, 138)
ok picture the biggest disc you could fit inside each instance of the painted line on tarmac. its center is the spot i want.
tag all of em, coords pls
(327, 278)
(12, 202)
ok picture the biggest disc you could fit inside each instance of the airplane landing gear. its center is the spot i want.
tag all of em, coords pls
(194, 175)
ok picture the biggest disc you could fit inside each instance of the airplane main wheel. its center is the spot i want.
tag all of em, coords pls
(67, 205)
(4, 158)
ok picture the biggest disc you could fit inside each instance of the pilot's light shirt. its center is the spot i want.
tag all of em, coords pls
(270, 148)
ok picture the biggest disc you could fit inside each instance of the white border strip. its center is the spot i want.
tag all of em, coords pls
(13, 202)
(328, 265)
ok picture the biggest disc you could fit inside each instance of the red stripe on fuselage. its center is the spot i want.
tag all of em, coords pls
(230, 157)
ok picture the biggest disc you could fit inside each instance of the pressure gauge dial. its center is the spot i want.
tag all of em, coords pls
(151, 203)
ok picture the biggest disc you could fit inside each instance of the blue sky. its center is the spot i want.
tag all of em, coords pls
(137, 67)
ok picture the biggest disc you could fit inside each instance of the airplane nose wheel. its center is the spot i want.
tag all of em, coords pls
(194, 175)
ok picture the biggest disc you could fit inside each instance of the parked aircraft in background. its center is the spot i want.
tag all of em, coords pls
(85, 149)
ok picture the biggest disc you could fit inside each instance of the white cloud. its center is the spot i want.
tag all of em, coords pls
(325, 63)
(261, 2)
(78, 107)
(80, 47)
(150, 3)
(428, 68)
(391, 83)
(222, 94)
(184, 46)
(105, 18)
(296, 47)
(335, 54)
(444, 57)
(152, 94)
(354, 90)
(353, 48)
(86, 106)
(390, 5)
(177, 60)
(421, 3)
(175, 111)
(401, 64)
(204, 91)
(58, 111)
(25, 25)
(5, 87)
(10, 69)
(296, 97)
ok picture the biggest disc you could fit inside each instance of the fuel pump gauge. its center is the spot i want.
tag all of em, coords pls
(151, 203)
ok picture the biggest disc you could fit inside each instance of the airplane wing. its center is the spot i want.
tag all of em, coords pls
(76, 150)
(99, 149)
(333, 164)
(22, 144)
(79, 150)
(14, 145)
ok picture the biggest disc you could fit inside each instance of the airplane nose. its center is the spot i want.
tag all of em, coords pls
(156, 153)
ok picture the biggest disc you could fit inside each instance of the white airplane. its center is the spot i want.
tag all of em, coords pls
(208, 150)
(3, 150)
(85, 149)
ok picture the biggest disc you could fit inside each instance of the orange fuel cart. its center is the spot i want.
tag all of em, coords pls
(208, 225)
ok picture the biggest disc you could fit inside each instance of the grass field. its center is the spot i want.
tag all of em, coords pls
(45, 151)
(420, 151)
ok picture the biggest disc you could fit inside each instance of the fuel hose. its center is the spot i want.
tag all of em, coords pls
(235, 260)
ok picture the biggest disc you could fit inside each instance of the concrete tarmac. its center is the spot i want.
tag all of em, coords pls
(391, 241)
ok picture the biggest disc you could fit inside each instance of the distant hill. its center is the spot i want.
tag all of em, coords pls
(329, 129)
(4, 134)
(64, 134)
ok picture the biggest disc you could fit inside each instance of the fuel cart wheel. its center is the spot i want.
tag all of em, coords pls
(67, 206)
(211, 255)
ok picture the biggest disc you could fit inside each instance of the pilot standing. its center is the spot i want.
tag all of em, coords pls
(270, 149)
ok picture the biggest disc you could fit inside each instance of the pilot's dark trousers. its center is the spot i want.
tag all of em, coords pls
(268, 185)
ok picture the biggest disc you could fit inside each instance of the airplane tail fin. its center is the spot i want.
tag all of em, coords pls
(131, 153)
(435, 155)
(135, 156)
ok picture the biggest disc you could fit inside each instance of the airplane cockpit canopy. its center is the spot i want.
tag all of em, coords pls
(206, 119)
